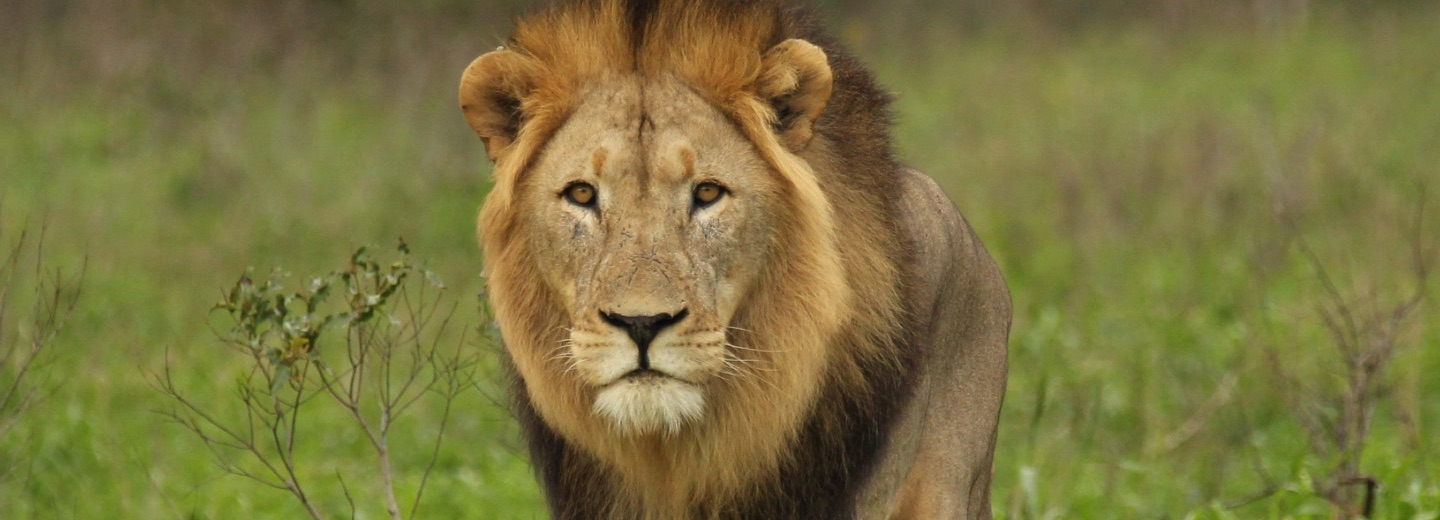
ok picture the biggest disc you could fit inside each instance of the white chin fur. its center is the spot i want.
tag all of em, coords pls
(649, 405)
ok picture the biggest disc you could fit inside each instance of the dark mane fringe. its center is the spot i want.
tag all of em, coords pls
(842, 441)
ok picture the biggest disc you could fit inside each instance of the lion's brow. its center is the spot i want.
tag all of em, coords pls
(687, 159)
(597, 161)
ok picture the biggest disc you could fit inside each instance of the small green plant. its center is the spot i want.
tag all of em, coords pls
(389, 329)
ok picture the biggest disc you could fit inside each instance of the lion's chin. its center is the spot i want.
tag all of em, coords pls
(645, 405)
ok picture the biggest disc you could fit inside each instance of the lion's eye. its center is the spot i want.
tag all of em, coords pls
(707, 193)
(580, 194)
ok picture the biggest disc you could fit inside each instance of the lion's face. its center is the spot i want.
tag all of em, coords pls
(653, 212)
(663, 263)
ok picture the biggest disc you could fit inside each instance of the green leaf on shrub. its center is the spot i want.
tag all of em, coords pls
(282, 377)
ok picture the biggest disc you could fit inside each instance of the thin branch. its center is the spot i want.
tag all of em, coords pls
(349, 500)
(451, 370)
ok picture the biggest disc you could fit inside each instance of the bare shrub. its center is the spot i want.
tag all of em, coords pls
(1336, 406)
(389, 330)
(36, 301)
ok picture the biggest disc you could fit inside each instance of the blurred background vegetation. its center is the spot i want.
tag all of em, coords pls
(1190, 200)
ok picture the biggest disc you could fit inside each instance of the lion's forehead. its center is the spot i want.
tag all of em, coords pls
(645, 130)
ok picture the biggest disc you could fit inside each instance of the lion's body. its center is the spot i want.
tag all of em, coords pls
(831, 338)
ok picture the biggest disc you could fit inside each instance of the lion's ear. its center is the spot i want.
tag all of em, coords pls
(490, 92)
(797, 83)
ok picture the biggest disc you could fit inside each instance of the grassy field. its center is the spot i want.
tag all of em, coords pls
(1170, 203)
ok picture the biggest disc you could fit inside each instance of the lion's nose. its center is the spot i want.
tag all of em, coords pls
(643, 329)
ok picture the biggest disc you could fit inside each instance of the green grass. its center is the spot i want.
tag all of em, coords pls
(1141, 187)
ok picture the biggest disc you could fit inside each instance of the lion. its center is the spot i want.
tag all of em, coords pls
(720, 294)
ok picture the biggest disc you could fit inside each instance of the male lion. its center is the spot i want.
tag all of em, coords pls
(721, 295)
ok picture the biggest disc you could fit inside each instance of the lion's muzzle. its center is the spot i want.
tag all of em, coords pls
(643, 329)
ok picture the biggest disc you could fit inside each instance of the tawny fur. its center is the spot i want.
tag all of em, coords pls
(832, 428)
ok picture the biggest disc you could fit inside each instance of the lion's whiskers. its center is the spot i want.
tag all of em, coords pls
(565, 348)
(734, 375)
(747, 371)
(565, 352)
(728, 373)
(753, 349)
(754, 364)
